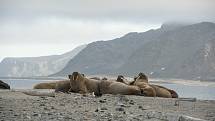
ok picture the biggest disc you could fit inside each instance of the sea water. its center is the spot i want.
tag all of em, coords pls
(23, 83)
(189, 91)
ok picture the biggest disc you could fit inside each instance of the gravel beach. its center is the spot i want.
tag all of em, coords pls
(17, 106)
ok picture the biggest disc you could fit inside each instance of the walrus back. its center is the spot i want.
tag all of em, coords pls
(161, 92)
(172, 92)
(92, 85)
(63, 86)
(121, 88)
(49, 85)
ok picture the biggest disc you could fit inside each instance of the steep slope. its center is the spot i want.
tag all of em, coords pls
(169, 52)
(177, 54)
(36, 66)
(103, 57)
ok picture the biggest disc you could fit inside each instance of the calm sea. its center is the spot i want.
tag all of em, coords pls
(199, 92)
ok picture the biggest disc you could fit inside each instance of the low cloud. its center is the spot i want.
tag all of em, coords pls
(31, 23)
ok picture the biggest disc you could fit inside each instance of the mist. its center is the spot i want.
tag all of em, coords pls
(37, 28)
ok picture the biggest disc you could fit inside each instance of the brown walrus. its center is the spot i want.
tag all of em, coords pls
(172, 92)
(96, 78)
(142, 82)
(63, 86)
(141, 78)
(113, 87)
(45, 85)
(80, 84)
(160, 91)
(122, 79)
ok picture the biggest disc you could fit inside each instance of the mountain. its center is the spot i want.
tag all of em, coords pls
(36, 66)
(172, 51)
(187, 52)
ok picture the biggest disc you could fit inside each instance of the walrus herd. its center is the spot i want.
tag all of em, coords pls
(78, 83)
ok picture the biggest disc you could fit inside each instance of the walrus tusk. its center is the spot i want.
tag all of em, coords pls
(73, 78)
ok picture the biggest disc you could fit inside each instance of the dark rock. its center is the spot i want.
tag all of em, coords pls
(50, 114)
(35, 114)
(141, 107)
(62, 104)
(103, 108)
(131, 102)
(52, 107)
(4, 85)
(120, 109)
(97, 110)
(102, 101)
(42, 104)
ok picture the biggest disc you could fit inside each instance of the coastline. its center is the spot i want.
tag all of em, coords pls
(152, 80)
(15, 105)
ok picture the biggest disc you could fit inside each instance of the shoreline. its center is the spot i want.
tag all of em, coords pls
(15, 105)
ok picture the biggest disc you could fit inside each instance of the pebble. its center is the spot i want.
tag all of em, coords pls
(102, 101)
(62, 104)
(35, 114)
(141, 107)
(50, 114)
(97, 110)
(120, 109)
(42, 104)
(103, 108)
(52, 107)
(131, 102)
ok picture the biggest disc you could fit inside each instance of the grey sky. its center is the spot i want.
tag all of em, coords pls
(43, 27)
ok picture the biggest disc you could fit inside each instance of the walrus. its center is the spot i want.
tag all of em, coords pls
(96, 78)
(63, 86)
(147, 90)
(122, 79)
(161, 92)
(141, 78)
(83, 85)
(45, 85)
(113, 87)
(142, 82)
(172, 92)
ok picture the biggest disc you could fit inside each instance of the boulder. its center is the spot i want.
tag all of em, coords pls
(4, 85)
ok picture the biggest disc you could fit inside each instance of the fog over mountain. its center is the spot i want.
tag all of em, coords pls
(58, 26)
(172, 51)
(36, 66)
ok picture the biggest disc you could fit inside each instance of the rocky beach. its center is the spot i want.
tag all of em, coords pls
(17, 106)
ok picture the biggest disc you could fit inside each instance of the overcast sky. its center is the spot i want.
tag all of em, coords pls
(45, 27)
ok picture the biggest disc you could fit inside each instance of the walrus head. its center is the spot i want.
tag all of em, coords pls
(76, 75)
(142, 76)
(120, 78)
(70, 76)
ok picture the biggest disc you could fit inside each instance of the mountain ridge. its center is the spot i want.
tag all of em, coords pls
(36, 66)
(154, 47)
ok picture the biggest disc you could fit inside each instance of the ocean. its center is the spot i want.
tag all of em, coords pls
(188, 91)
